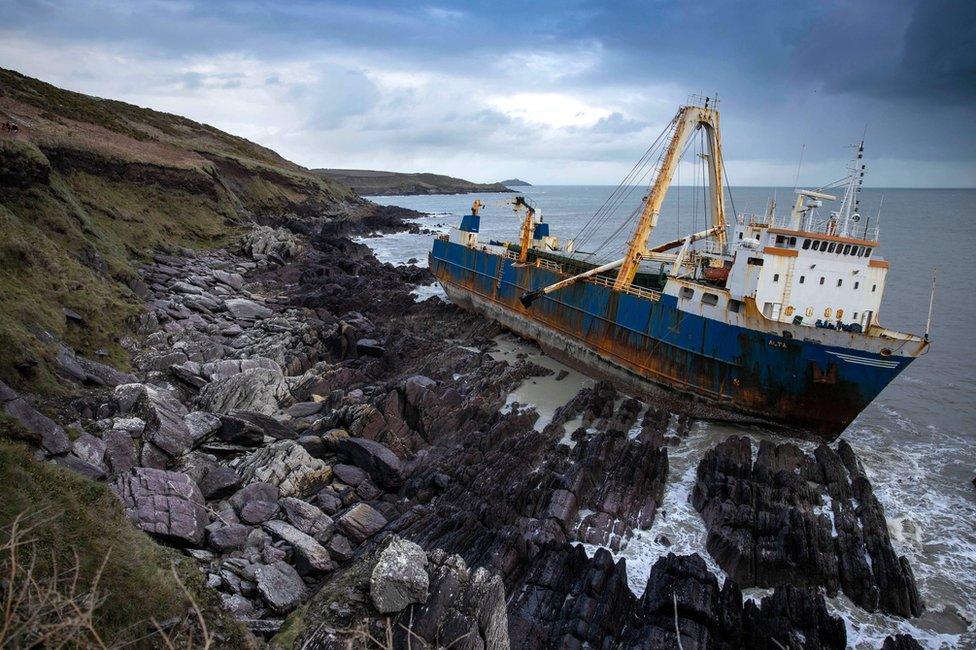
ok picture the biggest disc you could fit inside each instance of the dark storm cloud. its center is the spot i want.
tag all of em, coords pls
(789, 73)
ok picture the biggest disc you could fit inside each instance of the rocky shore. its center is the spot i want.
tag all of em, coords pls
(337, 460)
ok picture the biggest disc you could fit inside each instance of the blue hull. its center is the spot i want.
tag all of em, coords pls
(730, 371)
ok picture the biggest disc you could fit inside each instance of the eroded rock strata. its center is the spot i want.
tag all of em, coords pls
(790, 517)
(333, 452)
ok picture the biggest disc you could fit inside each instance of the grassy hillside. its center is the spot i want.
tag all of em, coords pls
(69, 524)
(378, 183)
(89, 187)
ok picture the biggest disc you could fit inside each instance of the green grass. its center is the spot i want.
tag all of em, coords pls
(78, 515)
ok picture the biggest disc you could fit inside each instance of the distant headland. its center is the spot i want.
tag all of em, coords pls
(382, 183)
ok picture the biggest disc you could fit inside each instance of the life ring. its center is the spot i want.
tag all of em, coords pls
(840, 314)
(789, 310)
(827, 312)
(809, 312)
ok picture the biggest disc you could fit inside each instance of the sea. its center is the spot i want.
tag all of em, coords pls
(917, 440)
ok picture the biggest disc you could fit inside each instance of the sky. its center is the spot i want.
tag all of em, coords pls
(554, 92)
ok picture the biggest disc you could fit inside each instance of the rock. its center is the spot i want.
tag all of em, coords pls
(307, 518)
(237, 605)
(340, 548)
(465, 609)
(258, 512)
(901, 642)
(89, 449)
(247, 428)
(189, 373)
(788, 616)
(361, 522)
(399, 577)
(163, 503)
(280, 586)
(120, 452)
(286, 465)
(53, 438)
(310, 556)
(81, 467)
(232, 280)
(88, 372)
(380, 463)
(349, 474)
(131, 425)
(163, 415)
(201, 425)
(328, 501)
(792, 518)
(245, 309)
(303, 409)
(255, 491)
(370, 348)
(263, 241)
(219, 482)
(258, 390)
(232, 537)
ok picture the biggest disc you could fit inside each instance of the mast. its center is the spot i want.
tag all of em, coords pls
(686, 122)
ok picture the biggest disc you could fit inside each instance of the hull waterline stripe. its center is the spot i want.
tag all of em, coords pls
(865, 361)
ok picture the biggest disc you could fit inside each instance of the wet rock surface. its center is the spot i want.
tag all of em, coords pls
(790, 517)
(313, 437)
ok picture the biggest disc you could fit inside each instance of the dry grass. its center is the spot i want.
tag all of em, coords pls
(56, 607)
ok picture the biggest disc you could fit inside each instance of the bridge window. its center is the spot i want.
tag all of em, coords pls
(847, 249)
(806, 244)
(867, 252)
(687, 293)
(780, 239)
(755, 261)
(830, 247)
(735, 306)
(792, 241)
(709, 299)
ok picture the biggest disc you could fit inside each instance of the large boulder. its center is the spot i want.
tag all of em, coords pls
(163, 414)
(376, 459)
(399, 577)
(167, 504)
(361, 522)
(310, 556)
(258, 389)
(280, 586)
(307, 518)
(244, 309)
(53, 437)
(286, 465)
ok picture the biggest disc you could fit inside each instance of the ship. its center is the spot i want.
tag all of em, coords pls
(761, 319)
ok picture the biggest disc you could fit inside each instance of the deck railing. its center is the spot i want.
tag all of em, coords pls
(603, 281)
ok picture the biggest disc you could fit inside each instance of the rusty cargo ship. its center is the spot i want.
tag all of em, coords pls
(764, 319)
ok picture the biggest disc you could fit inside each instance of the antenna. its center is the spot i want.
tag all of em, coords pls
(928, 321)
(796, 179)
(867, 225)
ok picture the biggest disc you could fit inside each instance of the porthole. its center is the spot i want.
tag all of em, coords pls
(827, 312)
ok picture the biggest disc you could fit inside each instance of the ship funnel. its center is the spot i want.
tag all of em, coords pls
(530, 297)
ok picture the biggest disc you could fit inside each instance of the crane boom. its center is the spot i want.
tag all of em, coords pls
(688, 119)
